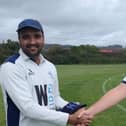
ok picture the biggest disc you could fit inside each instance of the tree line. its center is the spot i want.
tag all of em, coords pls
(83, 54)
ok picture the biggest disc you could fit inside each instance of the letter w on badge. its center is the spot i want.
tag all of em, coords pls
(41, 94)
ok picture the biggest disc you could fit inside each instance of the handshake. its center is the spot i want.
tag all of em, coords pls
(79, 116)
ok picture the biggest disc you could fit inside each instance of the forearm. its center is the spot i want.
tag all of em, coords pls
(60, 102)
(109, 99)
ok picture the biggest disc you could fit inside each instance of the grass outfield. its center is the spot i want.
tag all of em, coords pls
(86, 84)
(2, 114)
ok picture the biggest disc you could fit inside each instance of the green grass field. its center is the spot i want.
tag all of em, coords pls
(86, 84)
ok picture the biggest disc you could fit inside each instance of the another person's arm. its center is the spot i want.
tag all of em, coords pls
(111, 98)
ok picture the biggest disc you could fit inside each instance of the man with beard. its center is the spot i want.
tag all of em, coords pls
(30, 85)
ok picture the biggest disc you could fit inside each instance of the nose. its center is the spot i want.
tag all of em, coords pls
(32, 40)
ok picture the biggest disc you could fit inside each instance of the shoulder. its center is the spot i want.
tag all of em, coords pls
(6, 70)
(11, 64)
(50, 64)
(9, 70)
(13, 58)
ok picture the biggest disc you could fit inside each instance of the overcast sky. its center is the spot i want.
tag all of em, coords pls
(95, 22)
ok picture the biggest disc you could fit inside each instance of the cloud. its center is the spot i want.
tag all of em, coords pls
(74, 22)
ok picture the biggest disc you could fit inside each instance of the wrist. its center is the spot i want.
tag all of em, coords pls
(70, 119)
(90, 112)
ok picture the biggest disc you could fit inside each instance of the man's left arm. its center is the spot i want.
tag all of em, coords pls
(59, 101)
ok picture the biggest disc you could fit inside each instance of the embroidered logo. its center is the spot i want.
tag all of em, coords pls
(50, 74)
(30, 72)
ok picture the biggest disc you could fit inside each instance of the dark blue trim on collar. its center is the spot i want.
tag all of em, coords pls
(12, 58)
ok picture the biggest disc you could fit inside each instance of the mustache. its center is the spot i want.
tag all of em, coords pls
(32, 45)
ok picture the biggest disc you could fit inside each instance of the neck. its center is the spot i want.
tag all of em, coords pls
(36, 59)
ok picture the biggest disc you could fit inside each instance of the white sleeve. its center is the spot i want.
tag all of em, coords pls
(18, 89)
(124, 80)
(60, 102)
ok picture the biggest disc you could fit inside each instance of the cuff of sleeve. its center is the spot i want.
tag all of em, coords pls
(124, 80)
(63, 119)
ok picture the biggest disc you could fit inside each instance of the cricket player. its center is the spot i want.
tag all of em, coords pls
(30, 85)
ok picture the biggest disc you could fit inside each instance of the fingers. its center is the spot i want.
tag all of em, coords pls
(84, 113)
(82, 125)
(80, 118)
(85, 118)
(78, 125)
(81, 114)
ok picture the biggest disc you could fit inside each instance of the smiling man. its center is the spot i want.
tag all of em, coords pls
(30, 84)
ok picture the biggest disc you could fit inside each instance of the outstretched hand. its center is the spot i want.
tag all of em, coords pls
(86, 116)
(80, 118)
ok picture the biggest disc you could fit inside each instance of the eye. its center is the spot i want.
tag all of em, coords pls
(30, 36)
(37, 36)
(26, 37)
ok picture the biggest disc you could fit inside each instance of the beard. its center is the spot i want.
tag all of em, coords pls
(32, 51)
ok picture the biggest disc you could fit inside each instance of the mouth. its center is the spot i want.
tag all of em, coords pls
(33, 49)
(32, 46)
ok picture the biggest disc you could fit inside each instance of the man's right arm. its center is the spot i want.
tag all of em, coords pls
(14, 83)
(16, 86)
